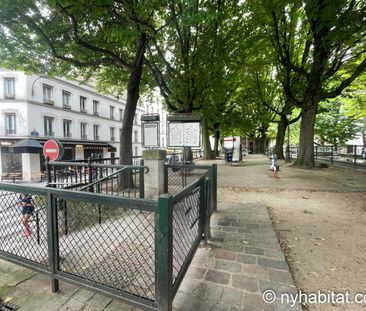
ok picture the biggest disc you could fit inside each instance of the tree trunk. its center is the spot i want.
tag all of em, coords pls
(262, 144)
(262, 140)
(306, 147)
(133, 93)
(217, 139)
(280, 137)
(207, 151)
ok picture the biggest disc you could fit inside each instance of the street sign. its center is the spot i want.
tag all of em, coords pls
(53, 149)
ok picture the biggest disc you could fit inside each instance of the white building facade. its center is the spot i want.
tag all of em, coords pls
(88, 124)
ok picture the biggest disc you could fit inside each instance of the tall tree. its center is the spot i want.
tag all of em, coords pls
(191, 63)
(320, 48)
(104, 40)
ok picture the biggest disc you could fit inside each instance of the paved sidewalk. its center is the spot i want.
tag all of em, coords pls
(243, 260)
(232, 275)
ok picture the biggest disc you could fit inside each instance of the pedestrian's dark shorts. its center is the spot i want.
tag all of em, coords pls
(27, 210)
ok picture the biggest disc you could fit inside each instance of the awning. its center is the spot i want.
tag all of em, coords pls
(27, 146)
(89, 144)
(36, 145)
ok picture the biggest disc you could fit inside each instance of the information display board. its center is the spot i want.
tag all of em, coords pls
(150, 134)
(184, 131)
(150, 130)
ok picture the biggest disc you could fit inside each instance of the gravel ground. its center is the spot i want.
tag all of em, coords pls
(319, 216)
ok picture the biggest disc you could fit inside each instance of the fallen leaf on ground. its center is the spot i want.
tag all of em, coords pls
(333, 269)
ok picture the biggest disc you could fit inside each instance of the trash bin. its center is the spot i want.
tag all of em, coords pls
(228, 156)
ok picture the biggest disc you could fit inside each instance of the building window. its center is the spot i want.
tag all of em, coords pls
(48, 126)
(48, 94)
(121, 114)
(10, 124)
(136, 151)
(9, 88)
(96, 132)
(113, 138)
(82, 104)
(163, 142)
(136, 135)
(112, 112)
(67, 129)
(83, 130)
(96, 107)
(66, 99)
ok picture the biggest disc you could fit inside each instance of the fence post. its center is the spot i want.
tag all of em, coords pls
(166, 181)
(52, 239)
(90, 177)
(214, 186)
(164, 253)
(48, 170)
(142, 179)
(204, 210)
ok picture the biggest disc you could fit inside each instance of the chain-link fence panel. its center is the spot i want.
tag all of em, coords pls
(186, 228)
(23, 226)
(178, 176)
(111, 246)
(125, 182)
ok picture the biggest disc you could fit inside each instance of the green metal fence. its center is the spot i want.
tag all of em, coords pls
(132, 249)
(110, 179)
(177, 177)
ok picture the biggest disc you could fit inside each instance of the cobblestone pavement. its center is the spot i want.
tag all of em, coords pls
(242, 260)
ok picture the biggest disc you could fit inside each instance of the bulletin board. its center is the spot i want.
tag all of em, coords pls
(150, 131)
(184, 130)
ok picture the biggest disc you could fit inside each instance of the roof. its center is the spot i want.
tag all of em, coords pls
(27, 146)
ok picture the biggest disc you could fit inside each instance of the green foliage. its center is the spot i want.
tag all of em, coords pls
(333, 126)
(78, 39)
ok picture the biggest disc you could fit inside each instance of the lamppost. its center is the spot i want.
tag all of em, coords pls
(288, 152)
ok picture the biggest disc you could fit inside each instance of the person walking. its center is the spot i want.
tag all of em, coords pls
(26, 202)
(274, 166)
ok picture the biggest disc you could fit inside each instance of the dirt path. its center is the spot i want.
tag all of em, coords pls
(320, 218)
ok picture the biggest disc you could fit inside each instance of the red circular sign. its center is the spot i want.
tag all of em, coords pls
(53, 149)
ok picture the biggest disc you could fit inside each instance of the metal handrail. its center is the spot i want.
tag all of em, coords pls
(102, 179)
(68, 164)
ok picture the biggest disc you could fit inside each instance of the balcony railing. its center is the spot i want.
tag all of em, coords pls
(9, 96)
(113, 138)
(97, 138)
(48, 101)
(84, 136)
(96, 113)
(49, 134)
(67, 135)
(83, 110)
(67, 106)
(10, 131)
